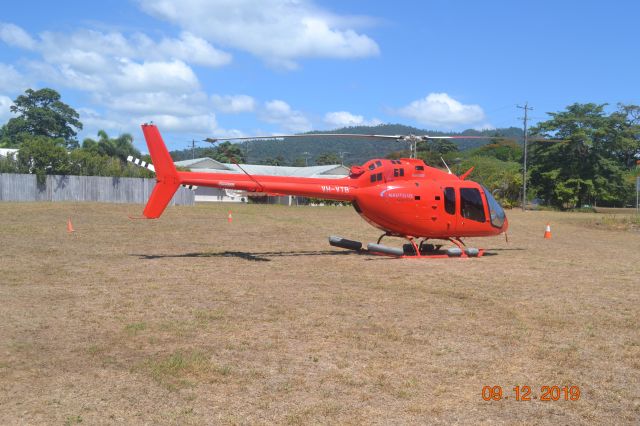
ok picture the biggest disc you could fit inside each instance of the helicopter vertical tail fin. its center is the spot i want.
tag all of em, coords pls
(167, 177)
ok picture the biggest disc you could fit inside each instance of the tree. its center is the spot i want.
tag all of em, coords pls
(589, 166)
(120, 147)
(502, 178)
(502, 149)
(43, 156)
(226, 152)
(8, 164)
(432, 149)
(396, 155)
(299, 162)
(278, 161)
(327, 158)
(42, 113)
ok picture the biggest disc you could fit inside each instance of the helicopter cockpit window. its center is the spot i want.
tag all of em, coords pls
(398, 172)
(495, 210)
(471, 205)
(372, 166)
(378, 163)
(450, 200)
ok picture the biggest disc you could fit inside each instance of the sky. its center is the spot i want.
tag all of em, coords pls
(216, 68)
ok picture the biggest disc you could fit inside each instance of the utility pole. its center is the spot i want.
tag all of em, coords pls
(342, 154)
(193, 149)
(306, 158)
(526, 109)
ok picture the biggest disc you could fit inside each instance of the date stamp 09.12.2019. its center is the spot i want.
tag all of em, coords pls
(524, 393)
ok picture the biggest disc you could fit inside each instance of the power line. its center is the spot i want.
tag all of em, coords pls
(526, 109)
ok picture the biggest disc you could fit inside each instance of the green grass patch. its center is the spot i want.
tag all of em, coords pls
(618, 222)
(208, 315)
(135, 328)
(180, 369)
(72, 420)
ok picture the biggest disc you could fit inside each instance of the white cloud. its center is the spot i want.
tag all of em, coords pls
(15, 36)
(279, 31)
(346, 119)
(233, 104)
(93, 121)
(485, 126)
(5, 112)
(131, 78)
(90, 48)
(181, 104)
(204, 123)
(188, 48)
(11, 81)
(279, 112)
(123, 76)
(439, 110)
(56, 47)
(174, 76)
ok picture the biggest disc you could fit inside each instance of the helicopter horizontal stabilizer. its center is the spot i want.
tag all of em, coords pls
(149, 166)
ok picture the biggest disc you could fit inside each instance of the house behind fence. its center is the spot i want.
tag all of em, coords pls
(23, 187)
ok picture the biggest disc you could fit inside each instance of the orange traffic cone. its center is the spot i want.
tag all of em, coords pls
(229, 218)
(70, 226)
(547, 232)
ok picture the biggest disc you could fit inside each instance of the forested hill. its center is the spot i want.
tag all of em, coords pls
(358, 150)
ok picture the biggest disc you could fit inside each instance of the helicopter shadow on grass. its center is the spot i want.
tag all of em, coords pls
(492, 251)
(252, 256)
(267, 256)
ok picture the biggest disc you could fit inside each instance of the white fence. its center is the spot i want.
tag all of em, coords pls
(21, 187)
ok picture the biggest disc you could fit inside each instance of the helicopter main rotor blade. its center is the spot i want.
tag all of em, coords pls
(548, 140)
(306, 135)
(353, 135)
(463, 137)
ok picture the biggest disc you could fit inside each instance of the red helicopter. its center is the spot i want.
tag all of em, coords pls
(404, 198)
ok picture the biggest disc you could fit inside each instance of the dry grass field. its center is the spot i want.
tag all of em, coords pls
(191, 320)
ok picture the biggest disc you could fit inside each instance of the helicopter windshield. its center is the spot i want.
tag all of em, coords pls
(495, 209)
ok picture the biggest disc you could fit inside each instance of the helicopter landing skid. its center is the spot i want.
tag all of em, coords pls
(433, 251)
(412, 250)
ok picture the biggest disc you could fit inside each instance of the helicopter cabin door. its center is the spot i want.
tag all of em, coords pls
(430, 213)
(450, 206)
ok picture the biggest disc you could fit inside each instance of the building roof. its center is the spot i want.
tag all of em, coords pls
(207, 164)
(201, 163)
(6, 151)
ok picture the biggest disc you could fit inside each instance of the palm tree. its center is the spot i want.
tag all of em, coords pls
(120, 147)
